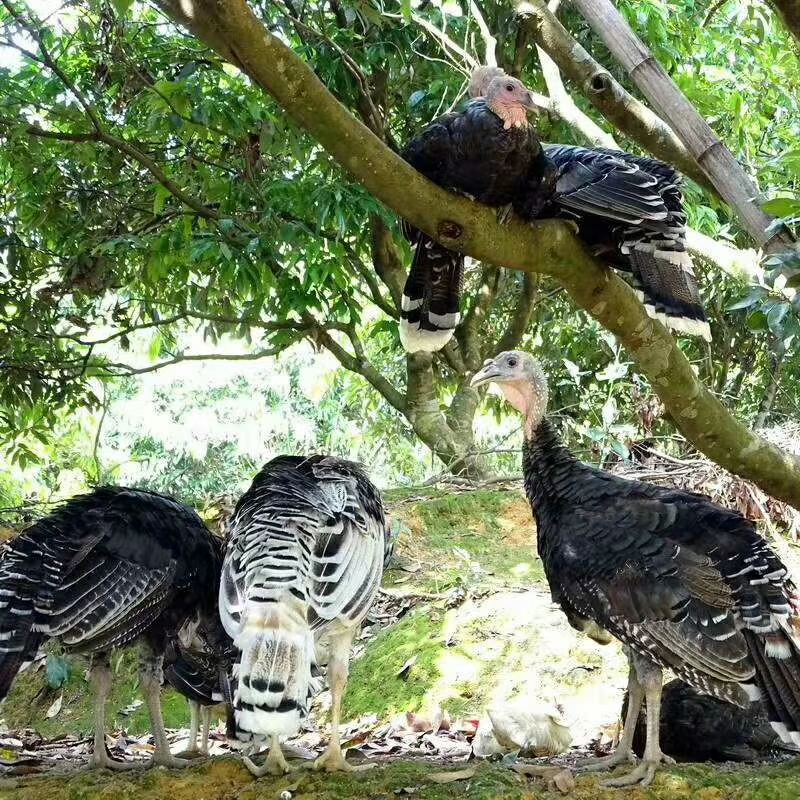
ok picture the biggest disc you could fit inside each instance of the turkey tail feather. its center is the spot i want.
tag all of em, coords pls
(25, 562)
(777, 664)
(274, 671)
(671, 295)
(429, 310)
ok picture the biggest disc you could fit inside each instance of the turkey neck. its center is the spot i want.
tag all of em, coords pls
(546, 467)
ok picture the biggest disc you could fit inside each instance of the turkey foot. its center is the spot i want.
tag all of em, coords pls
(620, 756)
(641, 776)
(333, 760)
(274, 764)
(100, 759)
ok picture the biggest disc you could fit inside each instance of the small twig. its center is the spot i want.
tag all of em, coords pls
(489, 41)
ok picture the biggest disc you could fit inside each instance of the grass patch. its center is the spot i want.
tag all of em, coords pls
(30, 697)
(480, 538)
(223, 779)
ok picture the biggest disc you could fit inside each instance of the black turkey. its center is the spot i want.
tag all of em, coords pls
(196, 674)
(629, 211)
(306, 550)
(490, 153)
(684, 583)
(105, 570)
(698, 727)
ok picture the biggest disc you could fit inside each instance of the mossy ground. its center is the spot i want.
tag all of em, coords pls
(226, 779)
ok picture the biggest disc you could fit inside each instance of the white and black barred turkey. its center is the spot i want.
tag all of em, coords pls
(685, 584)
(490, 153)
(306, 549)
(629, 211)
(106, 570)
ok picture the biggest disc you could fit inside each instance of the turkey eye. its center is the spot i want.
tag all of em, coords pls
(512, 362)
(509, 87)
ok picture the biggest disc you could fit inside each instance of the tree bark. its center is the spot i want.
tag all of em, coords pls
(595, 82)
(789, 11)
(459, 224)
(730, 180)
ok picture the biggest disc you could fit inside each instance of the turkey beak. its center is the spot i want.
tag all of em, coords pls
(530, 104)
(487, 373)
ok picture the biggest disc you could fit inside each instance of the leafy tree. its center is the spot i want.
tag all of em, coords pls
(150, 186)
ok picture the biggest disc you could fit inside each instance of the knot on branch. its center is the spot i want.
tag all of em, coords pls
(600, 82)
(449, 230)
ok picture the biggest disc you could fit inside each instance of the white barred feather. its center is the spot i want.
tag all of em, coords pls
(305, 550)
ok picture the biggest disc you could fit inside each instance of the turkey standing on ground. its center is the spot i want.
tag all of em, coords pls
(201, 674)
(306, 550)
(490, 153)
(697, 727)
(684, 583)
(629, 211)
(105, 570)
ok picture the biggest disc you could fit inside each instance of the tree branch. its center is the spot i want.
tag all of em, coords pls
(469, 331)
(730, 180)
(789, 11)
(547, 246)
(489, 42)
(520, 318)
(117, 370)
(619, 107)
(360, 366)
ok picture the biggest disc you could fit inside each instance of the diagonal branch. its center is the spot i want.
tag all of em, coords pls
(459, 224)
(520, 318)
(595, 82)
(730, 180)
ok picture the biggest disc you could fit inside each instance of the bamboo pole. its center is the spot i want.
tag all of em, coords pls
(723, 170)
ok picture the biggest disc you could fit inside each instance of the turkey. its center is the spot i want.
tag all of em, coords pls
(490, 153)
(106, 570)
(629, 211)
(697, 727)
(307, 544)
(201, 674)
(685, 584)
(199, 684)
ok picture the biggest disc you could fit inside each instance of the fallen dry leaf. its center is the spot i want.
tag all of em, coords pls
(406, 668)
(55, 708)
(564, 781)
(450, 777)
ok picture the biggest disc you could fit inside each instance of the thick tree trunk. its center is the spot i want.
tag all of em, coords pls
(449, 437)
(724, 171)
(789, 11)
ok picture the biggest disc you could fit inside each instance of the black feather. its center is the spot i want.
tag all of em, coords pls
(470, 153)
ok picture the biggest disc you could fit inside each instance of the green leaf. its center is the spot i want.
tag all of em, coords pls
(782, 206)
(122, 7)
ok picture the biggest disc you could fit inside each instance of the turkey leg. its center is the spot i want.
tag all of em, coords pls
(151, 677)
(623, 751)
(274, 763)
(100, 677)
(332, 760)
(650, 676)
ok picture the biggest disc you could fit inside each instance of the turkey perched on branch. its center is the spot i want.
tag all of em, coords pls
(629, 211)
(698, 727)
(684, 583)
(490, 153)
(105, 570)
(306, 550)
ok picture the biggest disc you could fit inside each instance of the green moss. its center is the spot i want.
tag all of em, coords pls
(30, 697)
(375, 686)
(479, 538)
(226, 778)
